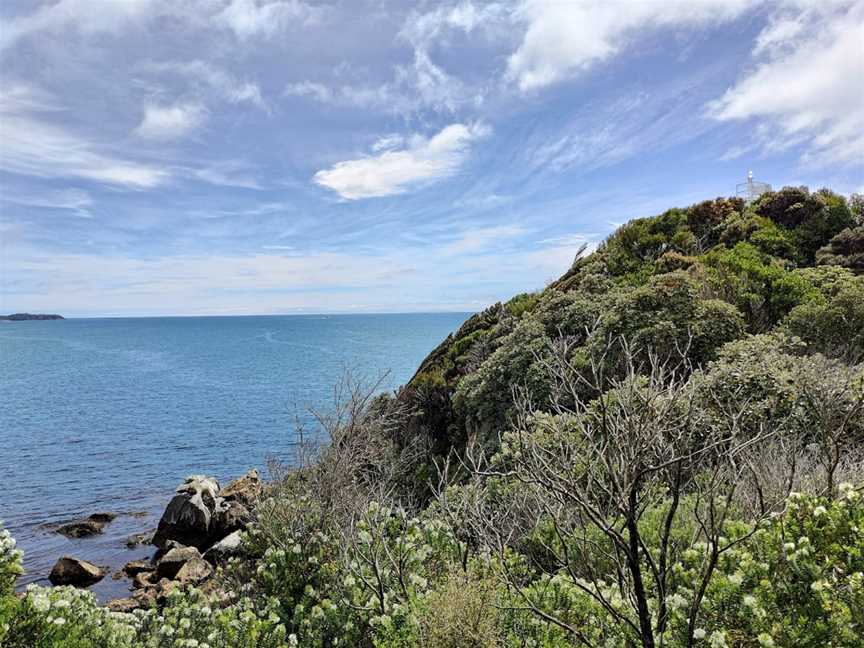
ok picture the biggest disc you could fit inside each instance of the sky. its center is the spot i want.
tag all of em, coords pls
(216, 157)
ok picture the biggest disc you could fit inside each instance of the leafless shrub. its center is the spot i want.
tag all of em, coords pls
(593, 470)
(349, 459)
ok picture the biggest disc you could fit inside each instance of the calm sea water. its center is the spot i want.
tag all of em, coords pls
(110, 414)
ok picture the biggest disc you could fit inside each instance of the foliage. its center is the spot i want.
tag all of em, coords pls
(757, 283)
(64, 617)
(845, 249)
(812, 218)
(832, 325)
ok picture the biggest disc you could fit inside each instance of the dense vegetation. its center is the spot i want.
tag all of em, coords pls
(665, 447)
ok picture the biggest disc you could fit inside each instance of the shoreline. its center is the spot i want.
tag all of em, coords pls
(108, 544)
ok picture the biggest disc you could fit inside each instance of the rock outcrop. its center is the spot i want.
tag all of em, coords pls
(189, 513)
(201, 514)
(73, 571)
(200, 517)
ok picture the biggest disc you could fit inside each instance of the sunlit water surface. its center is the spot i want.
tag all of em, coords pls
(110, 414)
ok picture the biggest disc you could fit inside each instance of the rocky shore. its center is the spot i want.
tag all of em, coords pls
(199, 530)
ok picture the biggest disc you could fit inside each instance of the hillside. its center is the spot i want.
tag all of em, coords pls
(788, 266)
(664, 447)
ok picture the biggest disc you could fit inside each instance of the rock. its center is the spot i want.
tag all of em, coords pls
(168, 546)
(72, 571)
(229, 516)
(80, 529)
(137, 539)
(164, 588)
(126, 605)
(193, 572)
(141, 599)
(102, 518)
(225, 548)
(171, 562)
(188, 515)
(146, 597)
(134, 567)
(246, 490)
(86, 527)
(143, 580)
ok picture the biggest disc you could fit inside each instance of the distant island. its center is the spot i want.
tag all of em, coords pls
(23, 317)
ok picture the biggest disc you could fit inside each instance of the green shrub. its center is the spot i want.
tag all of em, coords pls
(832, 326)
(846, 249)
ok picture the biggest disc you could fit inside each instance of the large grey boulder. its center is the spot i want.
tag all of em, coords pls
(73, 571)
(187, 519)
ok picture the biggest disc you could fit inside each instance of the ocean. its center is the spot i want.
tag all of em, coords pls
(111, 414)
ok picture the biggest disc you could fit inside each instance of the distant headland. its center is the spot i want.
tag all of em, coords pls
(23, 317)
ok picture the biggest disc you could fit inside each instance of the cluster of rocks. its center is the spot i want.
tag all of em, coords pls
(199, 529)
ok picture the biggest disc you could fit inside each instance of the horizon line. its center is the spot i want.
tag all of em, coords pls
(309, 314)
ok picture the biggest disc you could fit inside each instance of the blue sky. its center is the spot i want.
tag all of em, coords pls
(281, 156)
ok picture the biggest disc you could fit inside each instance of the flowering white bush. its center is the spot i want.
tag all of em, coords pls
(10, 561)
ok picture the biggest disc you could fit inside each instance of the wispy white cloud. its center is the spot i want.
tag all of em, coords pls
(32, 146)
(806, 88)
(605, 132)
(74, 200)
(388, 143)
(212, 77)
(395, 171)
(256, 18)
(170, 122)
(227, 173)
(317, 91)
(419, 84)
(246, 19)
(564, 38)
(480, 238)
(425, 28)
(416, 86)
(85, 16)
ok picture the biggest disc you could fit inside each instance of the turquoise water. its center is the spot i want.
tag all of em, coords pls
(110, 414)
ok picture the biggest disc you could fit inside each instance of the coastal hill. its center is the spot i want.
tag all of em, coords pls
(789, 265)
(23, 317)
(663, 447)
